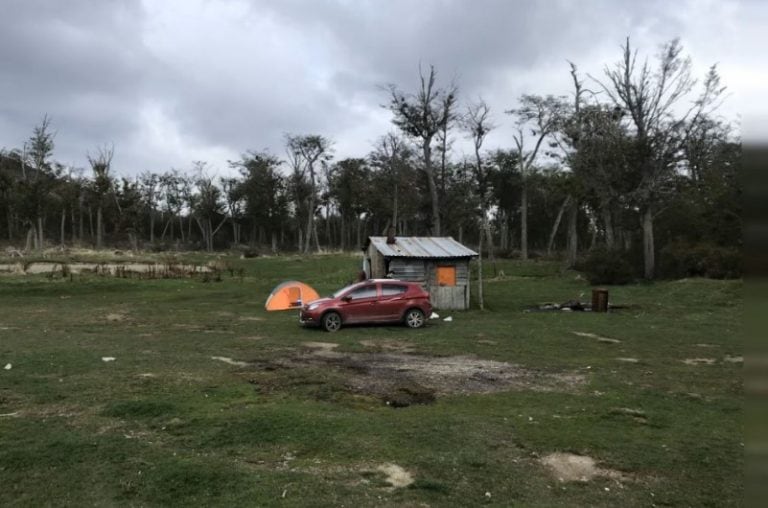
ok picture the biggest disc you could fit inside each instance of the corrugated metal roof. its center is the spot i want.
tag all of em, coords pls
(421, 247)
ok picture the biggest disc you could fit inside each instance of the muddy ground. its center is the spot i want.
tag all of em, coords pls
(400, 378)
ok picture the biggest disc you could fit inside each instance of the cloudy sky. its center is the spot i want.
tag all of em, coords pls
(173, 81)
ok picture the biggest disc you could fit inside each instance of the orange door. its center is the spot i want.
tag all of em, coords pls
(446, 275)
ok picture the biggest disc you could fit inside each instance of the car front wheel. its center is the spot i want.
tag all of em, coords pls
(414, 318)
(331, 322)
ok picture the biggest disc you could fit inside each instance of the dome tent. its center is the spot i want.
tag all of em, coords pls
(290, 295)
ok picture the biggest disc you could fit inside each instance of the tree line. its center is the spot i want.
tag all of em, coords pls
(634, 162)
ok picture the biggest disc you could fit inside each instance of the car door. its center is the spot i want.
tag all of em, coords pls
(360, 305)
(391, 301)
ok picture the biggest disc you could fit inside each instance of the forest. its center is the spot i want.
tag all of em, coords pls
(630, 174)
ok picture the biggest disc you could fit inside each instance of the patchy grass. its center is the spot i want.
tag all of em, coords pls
(170, 423)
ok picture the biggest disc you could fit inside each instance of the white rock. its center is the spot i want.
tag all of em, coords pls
(108, 358)
(449, 318)
(434, 316)
(8, 366)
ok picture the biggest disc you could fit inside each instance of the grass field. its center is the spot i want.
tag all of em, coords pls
(273, 420)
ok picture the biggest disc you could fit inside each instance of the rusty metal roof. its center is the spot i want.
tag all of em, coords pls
(421, 247)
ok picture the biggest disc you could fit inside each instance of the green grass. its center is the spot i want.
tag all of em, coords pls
(165, 424)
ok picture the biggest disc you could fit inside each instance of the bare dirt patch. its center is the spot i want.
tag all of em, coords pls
(55, 411)
(253, 337)
(389, 345)
(401, 379)
(251, 318)
(230, 361)
(325, 346)
(187, 327)
(116, 317)
(606, 340)
(627, 359)
(397, 477)
(699, 361)
(733, 359)
(567, 467)
(637, 415)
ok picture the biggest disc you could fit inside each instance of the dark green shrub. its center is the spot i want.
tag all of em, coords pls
(249, 253)
(682, 259)
(603, 266)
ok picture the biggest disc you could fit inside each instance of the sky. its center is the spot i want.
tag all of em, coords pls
(168, 82)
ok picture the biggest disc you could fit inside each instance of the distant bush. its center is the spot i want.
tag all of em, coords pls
(682, 259)
(604, 266)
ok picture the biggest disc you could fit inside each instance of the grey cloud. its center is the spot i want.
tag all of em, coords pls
(233, 75)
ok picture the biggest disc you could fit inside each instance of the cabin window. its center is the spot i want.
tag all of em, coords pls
(446, 275)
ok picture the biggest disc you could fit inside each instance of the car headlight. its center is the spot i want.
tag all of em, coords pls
(313, 306)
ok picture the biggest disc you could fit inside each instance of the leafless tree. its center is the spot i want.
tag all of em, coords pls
(391, 153)
(421, 116)
(101, 163)
(305, 152)
(651, 100)
(543, 116)
(477, 123)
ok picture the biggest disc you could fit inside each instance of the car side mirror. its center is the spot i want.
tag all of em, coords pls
(346, 298)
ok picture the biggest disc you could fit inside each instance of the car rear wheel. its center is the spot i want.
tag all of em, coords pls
(414, 318)
(331, 322)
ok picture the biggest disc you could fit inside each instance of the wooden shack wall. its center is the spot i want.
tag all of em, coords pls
(378, 268)
(448, 297)
(408, 269)
(425, 271)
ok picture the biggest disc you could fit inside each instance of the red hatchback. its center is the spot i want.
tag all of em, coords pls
(370, 301)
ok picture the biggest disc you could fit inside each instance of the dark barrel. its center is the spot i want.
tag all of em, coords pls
(599, 300)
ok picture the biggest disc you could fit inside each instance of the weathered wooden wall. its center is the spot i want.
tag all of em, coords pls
(443, 297)
(449, 297)
(412, 270)
(378, 268)
(425, 270)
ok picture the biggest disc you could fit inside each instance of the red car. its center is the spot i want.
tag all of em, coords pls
(370, 301)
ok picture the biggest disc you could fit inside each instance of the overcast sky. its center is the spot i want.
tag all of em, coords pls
(173, 81)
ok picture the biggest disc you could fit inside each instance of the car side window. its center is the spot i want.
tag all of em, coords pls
(363, 292)
(389, 290)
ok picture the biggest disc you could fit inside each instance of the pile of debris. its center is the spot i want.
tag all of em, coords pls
(569, 306)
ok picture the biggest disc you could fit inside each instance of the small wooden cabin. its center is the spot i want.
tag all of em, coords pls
(440, 263)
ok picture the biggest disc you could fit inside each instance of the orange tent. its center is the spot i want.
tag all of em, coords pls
(290, 295)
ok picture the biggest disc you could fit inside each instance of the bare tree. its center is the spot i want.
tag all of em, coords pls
(477, 123)
(444, 143)
(101, 163)
(206, 206)
(543, 115)
(651, 99)
(233, 194)
(39, 181)
(304, 152)
(391, 154)
(149, 183)
(421, 116)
